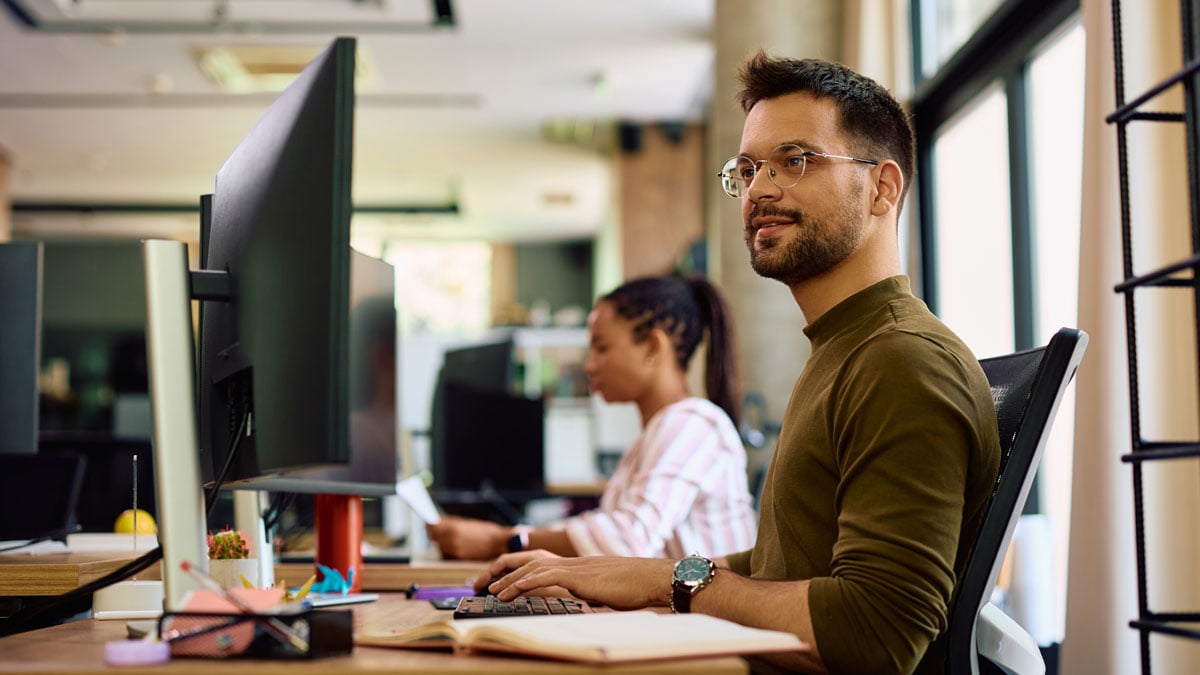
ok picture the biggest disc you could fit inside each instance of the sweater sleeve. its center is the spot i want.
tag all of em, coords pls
(739, 562)
(680, 453)
(904, 426)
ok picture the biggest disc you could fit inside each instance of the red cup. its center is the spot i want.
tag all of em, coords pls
(339, 525)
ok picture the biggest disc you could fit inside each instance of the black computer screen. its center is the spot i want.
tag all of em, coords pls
(107, 486)
(275, 358)
(20, 345)
(484, 367)
(494, 441)
(38, 494)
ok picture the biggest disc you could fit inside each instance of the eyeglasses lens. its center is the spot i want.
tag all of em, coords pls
(785, 168)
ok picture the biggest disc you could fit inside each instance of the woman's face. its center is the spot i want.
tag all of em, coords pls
(618, 368)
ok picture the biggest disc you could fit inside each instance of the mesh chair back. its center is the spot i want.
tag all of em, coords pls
(1027, 387)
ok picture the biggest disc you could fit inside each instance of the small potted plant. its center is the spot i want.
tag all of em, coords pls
(229, 559)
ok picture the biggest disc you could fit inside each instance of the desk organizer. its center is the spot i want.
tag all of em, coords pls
(320, 633)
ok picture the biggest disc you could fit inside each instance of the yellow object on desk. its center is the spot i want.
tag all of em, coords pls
(125, 522)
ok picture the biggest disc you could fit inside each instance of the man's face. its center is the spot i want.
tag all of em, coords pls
(806, 230)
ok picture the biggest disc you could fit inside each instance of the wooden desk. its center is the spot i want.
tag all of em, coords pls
(79, 648)
(394, 576)
(57, 573)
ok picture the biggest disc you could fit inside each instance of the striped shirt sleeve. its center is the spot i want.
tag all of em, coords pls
(680, 488)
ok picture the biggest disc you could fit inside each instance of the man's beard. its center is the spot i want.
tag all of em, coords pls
(815, 248)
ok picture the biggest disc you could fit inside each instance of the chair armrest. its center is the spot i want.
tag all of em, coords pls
(1002, 641)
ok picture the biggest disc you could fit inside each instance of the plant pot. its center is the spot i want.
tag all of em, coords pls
(229, 573)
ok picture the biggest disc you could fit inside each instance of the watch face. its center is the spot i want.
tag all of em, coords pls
(691, 569)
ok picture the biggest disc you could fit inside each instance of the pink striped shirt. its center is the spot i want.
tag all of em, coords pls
(680, 488)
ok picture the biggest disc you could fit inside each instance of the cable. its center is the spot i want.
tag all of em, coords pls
(52, 535)
(210, 501)
(280, 502)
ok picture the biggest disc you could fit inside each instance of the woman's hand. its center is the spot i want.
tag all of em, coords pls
(468, 539)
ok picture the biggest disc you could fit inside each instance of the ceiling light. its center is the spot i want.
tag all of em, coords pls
(269, 68)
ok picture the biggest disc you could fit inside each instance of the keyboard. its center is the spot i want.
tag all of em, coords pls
(489, 606)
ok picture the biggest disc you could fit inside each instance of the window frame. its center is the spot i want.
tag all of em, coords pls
(1000, 50)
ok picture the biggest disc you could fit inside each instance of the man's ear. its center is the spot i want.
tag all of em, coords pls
(889, 185)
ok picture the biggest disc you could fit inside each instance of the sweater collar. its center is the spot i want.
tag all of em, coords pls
(853, 309)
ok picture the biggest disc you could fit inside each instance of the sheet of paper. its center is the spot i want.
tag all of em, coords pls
(412, 491)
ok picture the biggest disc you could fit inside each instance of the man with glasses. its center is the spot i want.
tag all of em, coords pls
(889, 449)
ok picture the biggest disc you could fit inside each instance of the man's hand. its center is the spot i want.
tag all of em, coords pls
(468, 539)
(619, 583)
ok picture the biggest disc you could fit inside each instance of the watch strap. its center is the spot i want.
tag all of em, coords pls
(519, 540)
(681, 599)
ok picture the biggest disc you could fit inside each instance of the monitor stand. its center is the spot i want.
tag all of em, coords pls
(171, 360)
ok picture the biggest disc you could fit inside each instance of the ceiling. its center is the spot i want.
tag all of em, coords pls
(474, 118)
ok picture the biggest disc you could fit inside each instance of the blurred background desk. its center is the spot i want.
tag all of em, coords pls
(393, 576)
(79, 648)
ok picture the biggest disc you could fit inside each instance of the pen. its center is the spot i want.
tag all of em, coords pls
(279, 628)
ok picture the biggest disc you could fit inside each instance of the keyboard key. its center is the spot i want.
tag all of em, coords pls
(476, 607)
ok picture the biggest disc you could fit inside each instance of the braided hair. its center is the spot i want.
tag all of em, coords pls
(685, 308)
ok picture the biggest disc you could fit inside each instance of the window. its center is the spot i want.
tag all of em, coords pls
(948, 24)
(973, 225)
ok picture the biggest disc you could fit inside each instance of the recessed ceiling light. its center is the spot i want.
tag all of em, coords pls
(270, 68)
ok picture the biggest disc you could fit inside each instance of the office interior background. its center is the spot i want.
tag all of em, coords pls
(515, 159)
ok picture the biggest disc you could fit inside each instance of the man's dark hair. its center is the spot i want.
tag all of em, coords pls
(877, 125)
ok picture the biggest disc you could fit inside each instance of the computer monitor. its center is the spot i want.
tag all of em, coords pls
(20, 345)
(484, 367)
(38, 495)
(109, 477)
(494, 442)
(277, 358)
(274, 380)
(486, 442)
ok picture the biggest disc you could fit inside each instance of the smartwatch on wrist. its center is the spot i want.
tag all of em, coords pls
(691, 574)
(519, 540)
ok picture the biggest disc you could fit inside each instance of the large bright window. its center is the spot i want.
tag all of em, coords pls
(974, 225)
(1056, 173)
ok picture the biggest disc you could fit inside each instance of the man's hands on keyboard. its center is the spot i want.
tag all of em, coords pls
(489, 606)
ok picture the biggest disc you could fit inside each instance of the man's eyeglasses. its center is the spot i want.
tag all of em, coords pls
(785, 168)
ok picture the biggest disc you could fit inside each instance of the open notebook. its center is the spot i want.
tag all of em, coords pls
(603, 637)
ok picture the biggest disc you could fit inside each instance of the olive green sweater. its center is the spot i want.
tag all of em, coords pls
(887, 457)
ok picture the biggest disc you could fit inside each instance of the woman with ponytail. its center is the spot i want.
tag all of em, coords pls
(681, 486)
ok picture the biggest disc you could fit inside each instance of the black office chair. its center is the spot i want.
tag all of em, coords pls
(1027, 387)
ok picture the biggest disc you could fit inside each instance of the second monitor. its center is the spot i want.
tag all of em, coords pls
(485, 438)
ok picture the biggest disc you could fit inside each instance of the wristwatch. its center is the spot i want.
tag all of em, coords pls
(519, 540)
(691, 574)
